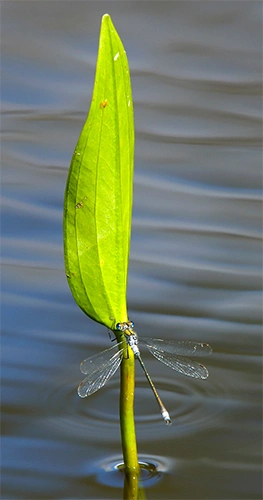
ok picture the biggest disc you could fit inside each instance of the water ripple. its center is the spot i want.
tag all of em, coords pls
(110, 470)
(192, 406)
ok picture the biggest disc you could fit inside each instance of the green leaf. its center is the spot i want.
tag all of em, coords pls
(98, 197)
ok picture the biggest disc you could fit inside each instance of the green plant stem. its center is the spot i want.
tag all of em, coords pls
(128, 434)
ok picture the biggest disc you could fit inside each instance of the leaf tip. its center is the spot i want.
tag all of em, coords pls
(106, 17)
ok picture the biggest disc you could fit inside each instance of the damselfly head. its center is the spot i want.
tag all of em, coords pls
(124, 326)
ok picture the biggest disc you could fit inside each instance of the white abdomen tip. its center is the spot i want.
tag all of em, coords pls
(166, 417)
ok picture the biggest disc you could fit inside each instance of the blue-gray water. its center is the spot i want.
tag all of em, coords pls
(195, 267)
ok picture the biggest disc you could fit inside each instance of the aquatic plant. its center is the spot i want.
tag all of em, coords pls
(97, 215)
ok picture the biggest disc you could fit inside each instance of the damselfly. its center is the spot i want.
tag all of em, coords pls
(101, 367)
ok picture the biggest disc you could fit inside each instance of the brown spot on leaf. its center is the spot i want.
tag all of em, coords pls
(103, 104)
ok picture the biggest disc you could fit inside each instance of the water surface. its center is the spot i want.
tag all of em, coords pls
(195, 266)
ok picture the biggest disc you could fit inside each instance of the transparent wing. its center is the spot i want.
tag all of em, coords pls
(180, 364)
(97, 362)
(177, 347)
(99, 375)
